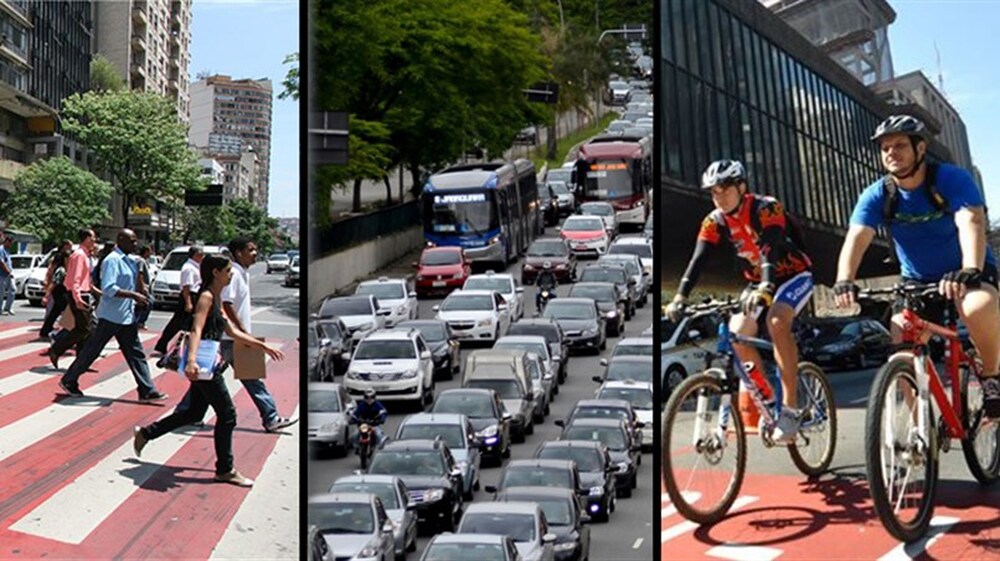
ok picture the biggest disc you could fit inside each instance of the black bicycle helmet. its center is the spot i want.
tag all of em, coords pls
(901, 124)
(722, 171)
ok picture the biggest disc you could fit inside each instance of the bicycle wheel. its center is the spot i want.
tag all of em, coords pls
(816, 442)
(902, 471)
(981, 444)
(703, 465)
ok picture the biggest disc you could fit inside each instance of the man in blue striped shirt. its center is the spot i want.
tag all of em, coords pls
(116, 318)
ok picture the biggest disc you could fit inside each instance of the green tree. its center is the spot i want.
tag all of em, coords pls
(370, 155)
(53, 199)
(104, 77)
(209, 224)
(138, 141)
(291, 81)
(253, 221)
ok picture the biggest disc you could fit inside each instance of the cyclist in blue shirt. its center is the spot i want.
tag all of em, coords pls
(937, 221)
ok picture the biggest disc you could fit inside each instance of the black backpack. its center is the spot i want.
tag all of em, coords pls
(890, 202)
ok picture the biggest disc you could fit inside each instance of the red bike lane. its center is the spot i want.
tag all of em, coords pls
(831, 518)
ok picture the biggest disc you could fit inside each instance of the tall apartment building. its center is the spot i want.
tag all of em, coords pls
(148, 41)
(224, 109)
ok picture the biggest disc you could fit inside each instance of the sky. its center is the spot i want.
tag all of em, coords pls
(250, 39)
(965, 34)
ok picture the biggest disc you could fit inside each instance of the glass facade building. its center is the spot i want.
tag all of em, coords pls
(737, 82)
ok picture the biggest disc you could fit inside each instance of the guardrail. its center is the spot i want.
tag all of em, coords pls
(359, 229)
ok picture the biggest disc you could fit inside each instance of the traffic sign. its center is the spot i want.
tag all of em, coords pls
(328, 137)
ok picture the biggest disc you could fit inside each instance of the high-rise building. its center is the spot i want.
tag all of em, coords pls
(148, 41)
(240, 173)
(224, 109)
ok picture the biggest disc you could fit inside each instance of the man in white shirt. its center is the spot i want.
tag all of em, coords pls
(236, 307)
(190, 283)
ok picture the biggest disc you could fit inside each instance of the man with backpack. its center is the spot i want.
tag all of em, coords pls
(778, 271)
(936, 219)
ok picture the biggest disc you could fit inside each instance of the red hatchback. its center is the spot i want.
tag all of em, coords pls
(441, 270)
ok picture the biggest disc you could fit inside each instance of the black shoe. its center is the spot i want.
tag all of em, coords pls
(72, 389)
(991, 396)
(139, 441)
(53, 359)
(153, 396)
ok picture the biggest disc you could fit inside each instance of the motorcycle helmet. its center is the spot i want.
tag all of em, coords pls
(369, 393)
(547, 265)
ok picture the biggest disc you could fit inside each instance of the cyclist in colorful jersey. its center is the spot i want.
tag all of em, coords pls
(778, 272)
(937, 221)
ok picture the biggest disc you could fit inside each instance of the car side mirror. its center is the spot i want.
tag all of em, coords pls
(491, 489)
(411, 294)
(358, 472)
(506, 416)
(557, 358)
(503, 307)
(411, 506)
(549, 538)
(597, 379)
(426, 355)
(631, 282)
(604, 362)
(415, 265)
(325, 342)
(585, 519)
(345, 356)
(519, 290)
(384, 311)
(436, 308)
(639, 424)
(456, 472)
(388, 526)
(560, 423)
(694, 334)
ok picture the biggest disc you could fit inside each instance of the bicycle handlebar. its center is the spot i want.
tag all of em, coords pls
(903, 289)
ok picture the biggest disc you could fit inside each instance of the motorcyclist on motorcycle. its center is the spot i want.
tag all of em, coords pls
(371, 411)
(546, 282)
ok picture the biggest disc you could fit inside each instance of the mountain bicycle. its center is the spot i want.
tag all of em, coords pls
(704, 440)
(904, 434)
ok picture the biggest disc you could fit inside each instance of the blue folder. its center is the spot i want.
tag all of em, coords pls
(206, 357)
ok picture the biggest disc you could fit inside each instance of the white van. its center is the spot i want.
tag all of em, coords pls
(167, 282)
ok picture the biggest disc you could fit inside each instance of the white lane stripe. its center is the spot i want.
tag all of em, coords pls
(740, 552)
(11, 333)
(93, 496)
(12, 353)
(278, 323)
(276, 490)
(687, 526)
(903, 552)
(689, 497)
(259, 310)
(28, 378)
(638, 542)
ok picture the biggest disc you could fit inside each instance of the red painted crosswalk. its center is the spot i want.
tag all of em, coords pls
(70, 485)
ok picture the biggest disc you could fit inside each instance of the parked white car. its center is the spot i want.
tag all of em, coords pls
(475, 315)
(396, 363)
(505, 285)
(167, 283)
(21, 265)
(393, 295)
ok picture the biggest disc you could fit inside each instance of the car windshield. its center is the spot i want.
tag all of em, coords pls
(278, 257)
(583, 224)
(559, 175)
(539, 349)
(531, 476)
(313, 340)
(597, 209)
(557, 511)
(629, 370)
(384, 491)
(633, 349)
(468, 302)
(434, 258)
(175, 261)
(331, 329)
(548, 331)
(612, 437)
(640, 398)
(603, 274)
(369, 349)
(342, 518)
(617, 85)
(598, 293)
(561, 310)
(587, 459)
(324, 401)
(640, 249)
(386, 291)
(432, 332)
(520, 527)
(500, 285)
(18, 262)
(600, 413)
(559, 187)
(463, 551)
(506, 389)
(450, 434)
(630, 266)
(466, 404)
(387, 462)
(553, 248)
(346, 307)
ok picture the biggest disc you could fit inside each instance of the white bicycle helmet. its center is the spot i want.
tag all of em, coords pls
(900, 124)
(722, 171)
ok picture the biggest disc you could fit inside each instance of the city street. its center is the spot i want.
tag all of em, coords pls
(628, 534)
(73, 488)
(781, 514)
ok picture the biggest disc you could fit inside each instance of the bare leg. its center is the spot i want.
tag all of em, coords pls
(747, 327)
(981, 313)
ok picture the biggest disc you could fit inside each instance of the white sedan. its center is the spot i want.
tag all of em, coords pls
(505, 285)
(393, 295)
(475, 315)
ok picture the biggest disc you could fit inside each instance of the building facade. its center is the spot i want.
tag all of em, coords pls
(148, 42)
(738, 82)
(223, 110)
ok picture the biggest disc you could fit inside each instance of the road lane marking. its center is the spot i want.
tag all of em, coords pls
(903, 552)
(638, 542)
(741, 552)
(687, 526)
(259, 310)
(11, 333)
(278, 323)
(689, 497)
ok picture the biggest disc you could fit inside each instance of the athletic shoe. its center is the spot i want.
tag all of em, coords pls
(234, 478)
(787, 427)
(991, 396)
(280, 423)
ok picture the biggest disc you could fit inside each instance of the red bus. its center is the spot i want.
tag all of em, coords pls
(619, 170)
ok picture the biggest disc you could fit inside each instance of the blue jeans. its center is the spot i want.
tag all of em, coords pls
(7, 293)
(128, 339)
(262, 398)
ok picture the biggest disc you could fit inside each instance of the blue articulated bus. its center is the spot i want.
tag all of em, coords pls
(490, 210)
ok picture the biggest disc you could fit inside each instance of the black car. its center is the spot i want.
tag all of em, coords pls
(627, 367)
(553, 334)
(582, 323)
(596, 472)
(487, 415)
(563, 513)
(431, 475)
(621, 443)
(858, 342)
(540, 473)
(548, 204)
(443, 346)
(609, 302)
(614, 273)
(456, 431)
(335, 337)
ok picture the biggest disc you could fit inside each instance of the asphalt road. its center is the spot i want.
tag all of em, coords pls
(628, 535)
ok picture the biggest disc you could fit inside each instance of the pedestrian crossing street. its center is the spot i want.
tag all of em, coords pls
(72, 488)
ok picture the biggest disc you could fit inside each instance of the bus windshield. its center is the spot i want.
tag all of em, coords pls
(608, 180)
(460, 213)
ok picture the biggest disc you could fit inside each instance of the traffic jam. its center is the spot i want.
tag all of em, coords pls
(493, 399)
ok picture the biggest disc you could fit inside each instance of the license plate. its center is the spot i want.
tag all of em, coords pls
(580, 246)
(379, 388)
(438, 283)
(823, 357)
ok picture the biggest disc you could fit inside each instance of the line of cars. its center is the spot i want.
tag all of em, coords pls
(286, 262)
